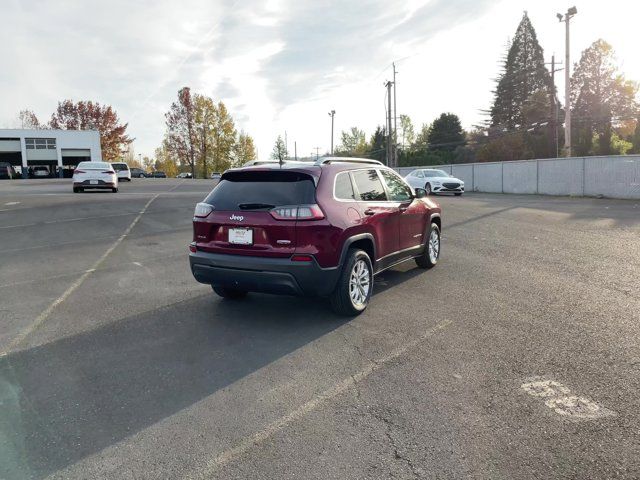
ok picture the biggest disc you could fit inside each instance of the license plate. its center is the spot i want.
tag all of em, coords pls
(241, 236)
(93, 182)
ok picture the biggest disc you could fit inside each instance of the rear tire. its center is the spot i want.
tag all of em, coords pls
(431, 254)
(229, 293)
(114, 190)
(355, 285)
(76, 190)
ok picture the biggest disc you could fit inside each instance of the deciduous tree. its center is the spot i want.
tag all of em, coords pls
(181, 132)
(244, 150)
(94, 116)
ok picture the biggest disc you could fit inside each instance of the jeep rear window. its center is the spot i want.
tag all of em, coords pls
(260, 187)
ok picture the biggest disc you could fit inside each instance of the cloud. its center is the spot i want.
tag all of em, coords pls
(261, 57)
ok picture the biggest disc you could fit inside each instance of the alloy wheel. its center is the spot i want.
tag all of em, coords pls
(359, 284)
(434, 246)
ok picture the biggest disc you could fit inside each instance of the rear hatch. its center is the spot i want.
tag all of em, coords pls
(254, 212)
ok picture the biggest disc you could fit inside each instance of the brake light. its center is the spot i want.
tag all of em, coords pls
(192, 247)
(297, 212)
(202, 210)
(78, 171)
(302, 258)
(110, 172)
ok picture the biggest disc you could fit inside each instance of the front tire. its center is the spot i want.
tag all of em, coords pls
(427, 189)
(229, 293)
(114, 190)
(355, 285)
(431, 254)
(457, 194)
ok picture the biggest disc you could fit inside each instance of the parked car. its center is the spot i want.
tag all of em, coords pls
(435, 181)
(138, 172)
(216, 175)
(122, 170)
(7, 172)
(158, 175)
(94, 175)
(40, 172)
(323, 228)
(184, 175)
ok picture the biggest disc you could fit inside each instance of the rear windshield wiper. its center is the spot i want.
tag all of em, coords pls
(254, 206)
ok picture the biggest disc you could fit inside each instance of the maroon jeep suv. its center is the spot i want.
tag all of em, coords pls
(323, 229)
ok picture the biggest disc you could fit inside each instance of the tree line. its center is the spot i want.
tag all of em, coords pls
(200, 135)
(525, 120)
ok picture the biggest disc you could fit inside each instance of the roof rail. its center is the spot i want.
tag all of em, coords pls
(328, 160)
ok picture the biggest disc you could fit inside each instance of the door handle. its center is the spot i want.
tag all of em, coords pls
(369, 211)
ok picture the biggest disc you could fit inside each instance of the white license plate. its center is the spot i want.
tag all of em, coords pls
(93, 182)
(241, 236)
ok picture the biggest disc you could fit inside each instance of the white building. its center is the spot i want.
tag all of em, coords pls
(58, 150)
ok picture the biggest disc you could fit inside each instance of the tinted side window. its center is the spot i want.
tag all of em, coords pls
(369, 186)
(398, 190)
(343, 189)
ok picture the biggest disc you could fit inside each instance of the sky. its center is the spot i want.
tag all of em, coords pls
(282, 65)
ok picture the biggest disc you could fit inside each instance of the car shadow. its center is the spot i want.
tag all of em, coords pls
(73, 397)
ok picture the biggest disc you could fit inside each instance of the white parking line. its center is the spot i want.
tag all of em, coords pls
(228, 455)
(45, 314)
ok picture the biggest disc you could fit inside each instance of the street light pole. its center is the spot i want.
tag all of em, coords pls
(567, 80)
(332, 113)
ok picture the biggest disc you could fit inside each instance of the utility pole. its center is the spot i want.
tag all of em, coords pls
(553, 121)
(332, 114)
(295, 150)
(395, 120)
(567, 80)
(286, 145)
(317, 149)
(389, 125)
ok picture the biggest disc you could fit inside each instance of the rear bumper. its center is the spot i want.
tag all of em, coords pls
(261, 274)
(101, 185)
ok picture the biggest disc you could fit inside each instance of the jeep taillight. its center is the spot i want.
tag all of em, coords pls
(202, 210)
(297, 212)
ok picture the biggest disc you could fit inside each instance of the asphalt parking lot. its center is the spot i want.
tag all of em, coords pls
(518, 356)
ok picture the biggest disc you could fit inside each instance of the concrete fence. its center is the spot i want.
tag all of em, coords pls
(612, 176)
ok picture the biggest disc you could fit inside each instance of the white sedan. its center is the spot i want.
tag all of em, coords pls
(94, 175)
(435, 181)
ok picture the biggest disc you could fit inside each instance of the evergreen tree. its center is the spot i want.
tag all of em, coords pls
(524, 75)
(446, 133)
(601, 99)
(378, 144)
(635, 138)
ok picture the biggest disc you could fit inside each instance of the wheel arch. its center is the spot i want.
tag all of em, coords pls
(363, 241)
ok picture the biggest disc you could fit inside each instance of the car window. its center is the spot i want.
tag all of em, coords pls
(419, 174)
(435, 173)
(343, 189)
(398, 190)
(369, 186)
(119, 167)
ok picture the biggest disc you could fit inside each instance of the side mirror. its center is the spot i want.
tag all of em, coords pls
(420, 192)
